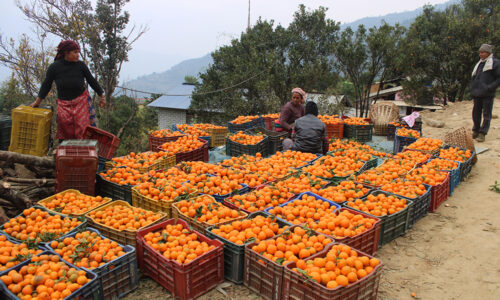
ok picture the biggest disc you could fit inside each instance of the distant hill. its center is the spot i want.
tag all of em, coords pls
(172, 78)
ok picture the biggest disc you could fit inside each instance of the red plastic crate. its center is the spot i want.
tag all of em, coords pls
(366, 241)
(269, 123)
(108, 143)
(76, 168)
(155, 142)
(186, 281)
(335, 131)
(200, 154)
(297, 287)
(439, 193)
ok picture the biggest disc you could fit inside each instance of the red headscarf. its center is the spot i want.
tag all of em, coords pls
(64, 46)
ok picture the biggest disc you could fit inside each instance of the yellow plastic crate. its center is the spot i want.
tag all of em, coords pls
(43, 203)
(30, 131)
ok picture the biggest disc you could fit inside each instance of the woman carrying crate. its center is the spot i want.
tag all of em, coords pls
(74, 112)
(291, 111)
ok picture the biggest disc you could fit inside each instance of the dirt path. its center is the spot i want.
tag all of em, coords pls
(450, 254)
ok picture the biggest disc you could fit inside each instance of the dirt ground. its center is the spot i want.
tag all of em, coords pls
(449, 254)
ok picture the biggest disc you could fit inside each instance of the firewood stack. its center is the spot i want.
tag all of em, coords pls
(24, 180)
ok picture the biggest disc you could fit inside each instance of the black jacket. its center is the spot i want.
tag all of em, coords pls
(310, 134)
(484, 84)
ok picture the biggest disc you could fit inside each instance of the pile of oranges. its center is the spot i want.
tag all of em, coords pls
(456, 154)
(354, 146)
(124, 217)
(397, 124)
(302, 183)
(217, 186)
(304, 209)
(177, 243)
(293, 244)
(379, 205)
(442, 164)
(406, 132)
(427, 175)
(353, 154)
(261, 199)
(330, 120)
(244, 119)
(139, 160)
(192, 130)
(405, 188)
(399, 166)
(87, 250)
(199, 167)
(246, 139)
(271, 116)
(340, 266)
(165, 190)
(255, 229)
(183, 144)
(416, 157)
(241, 161)
(73, 203)
(344, 191)
(38, 225)
(376, 177)
(356, 121)
(45, 277)
(14, 254)
(329, 166)
(206, 210)
(165, 133)
(426, 144)
(342, 224)
(124, 176)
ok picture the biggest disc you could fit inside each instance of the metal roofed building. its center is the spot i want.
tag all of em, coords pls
(174, 109)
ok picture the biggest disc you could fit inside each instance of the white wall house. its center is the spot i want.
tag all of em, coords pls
(173, 109)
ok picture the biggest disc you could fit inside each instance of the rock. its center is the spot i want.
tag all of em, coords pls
(434, 123)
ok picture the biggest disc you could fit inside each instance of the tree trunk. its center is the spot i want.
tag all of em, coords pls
(20, 200)
(122, 129)
(27, 159)
(36, 181)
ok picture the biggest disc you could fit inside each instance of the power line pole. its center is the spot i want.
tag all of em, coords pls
(248, 28)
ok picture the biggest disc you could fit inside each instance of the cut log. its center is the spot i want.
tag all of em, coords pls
(35, 181)
(3, 216)
(20, 200)
(25, 159)
(8, 172)
(41, 172)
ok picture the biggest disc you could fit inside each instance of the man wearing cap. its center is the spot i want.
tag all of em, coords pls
(485, 80)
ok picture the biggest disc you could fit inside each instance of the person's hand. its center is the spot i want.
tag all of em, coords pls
(102, 101)
(36, 103)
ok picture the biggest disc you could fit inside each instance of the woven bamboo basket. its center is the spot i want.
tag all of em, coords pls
(461, 138)
(381, 114)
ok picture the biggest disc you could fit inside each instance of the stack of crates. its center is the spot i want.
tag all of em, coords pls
(76, 166)
(30, 130)
(5, 127)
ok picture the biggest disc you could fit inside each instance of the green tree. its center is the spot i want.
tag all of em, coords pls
(11, 96)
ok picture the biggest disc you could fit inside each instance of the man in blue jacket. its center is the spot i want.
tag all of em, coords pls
(485, 80)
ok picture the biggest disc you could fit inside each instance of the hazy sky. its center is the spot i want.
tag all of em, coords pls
(180, 30)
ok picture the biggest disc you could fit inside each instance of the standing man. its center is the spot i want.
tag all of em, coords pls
(485, 80)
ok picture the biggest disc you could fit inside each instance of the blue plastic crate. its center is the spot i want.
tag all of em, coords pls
(466, 166)
(337, 207)
(117, 277)
(40, 246)
(90, 290)
(401, 141)
(454, 175)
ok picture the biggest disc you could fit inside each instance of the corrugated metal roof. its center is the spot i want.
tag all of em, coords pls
(175, 102)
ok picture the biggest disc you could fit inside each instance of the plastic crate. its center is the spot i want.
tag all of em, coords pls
(233, 128)
(5, 129)
(147, 203)
(217, 136)
(108, 143)
(155, 142)
(400, 142)
(162, 163)
(49, 199)
(466, 166)
(30, 132)
(201, 226)
(219, 198)
(236, 149)
(6, 271)
(205, 138)
(200, 154)
(113, 190)
(234, 255)
(117, 277)
(366, 241)
(80, 143)
(440, 193)
(186, 281)
(90, 290)
(299, 196)
(297, 287)
(372, 163)
(392, 226)
(419, 207)
(360, 133)
(125, 237)
(454, 176)
(275, 139)
(76, 168)
(269, 123)
(335, 131)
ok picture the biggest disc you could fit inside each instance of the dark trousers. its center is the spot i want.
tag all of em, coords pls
(482, 107)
